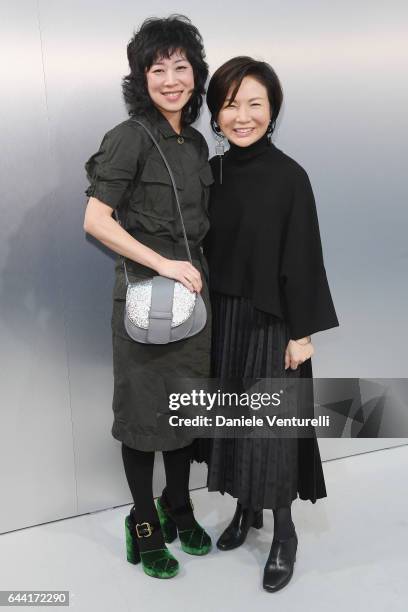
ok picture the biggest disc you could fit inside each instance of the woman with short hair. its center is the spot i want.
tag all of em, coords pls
(269, 293)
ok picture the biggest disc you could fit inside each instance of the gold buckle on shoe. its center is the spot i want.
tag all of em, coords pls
(145, 526)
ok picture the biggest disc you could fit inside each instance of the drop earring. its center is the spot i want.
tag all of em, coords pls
(219, 147)
(270, 129)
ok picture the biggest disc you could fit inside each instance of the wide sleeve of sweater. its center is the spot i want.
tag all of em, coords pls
(306, 294)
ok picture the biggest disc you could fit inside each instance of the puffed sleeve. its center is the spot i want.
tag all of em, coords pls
(307, 298)
(112, 168)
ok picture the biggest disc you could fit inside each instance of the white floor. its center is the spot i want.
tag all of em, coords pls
(352, 555)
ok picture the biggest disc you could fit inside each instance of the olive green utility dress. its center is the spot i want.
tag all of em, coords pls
(128, 174)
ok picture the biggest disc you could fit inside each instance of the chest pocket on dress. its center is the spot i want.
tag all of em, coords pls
(158, 194)
(206, 179)
(206, 175)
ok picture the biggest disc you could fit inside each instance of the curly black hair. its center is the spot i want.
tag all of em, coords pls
(157, 38)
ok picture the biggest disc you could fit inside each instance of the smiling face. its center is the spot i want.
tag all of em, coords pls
(170, 83)
(245, 119)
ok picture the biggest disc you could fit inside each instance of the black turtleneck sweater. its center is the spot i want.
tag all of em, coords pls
(264, 240)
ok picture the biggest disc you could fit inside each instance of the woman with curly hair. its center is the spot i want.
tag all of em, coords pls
(163, 91)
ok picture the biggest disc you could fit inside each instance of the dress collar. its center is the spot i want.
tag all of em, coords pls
(253, 150)
(168, 131)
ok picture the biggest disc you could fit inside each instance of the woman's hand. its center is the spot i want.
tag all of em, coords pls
(99, 223)
(296, 353)
(182, 271)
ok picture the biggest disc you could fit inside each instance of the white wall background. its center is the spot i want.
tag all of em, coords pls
(343, 69)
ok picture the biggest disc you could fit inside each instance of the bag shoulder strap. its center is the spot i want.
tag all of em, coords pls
(174, 187)
(175, 194)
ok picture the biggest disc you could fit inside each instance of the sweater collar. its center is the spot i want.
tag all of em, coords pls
(253, 150)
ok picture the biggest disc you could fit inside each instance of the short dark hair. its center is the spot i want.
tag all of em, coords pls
(157, 38)
(231, 74)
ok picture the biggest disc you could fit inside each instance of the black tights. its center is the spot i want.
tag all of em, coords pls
(283, 524)
(139, 474)
(283, 527)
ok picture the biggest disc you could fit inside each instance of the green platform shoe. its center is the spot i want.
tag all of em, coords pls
(158, 563)
(194, 541)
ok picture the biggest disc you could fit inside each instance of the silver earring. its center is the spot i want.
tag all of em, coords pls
(270, 129)
(219, 147)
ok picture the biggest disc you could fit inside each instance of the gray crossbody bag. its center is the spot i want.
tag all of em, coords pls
(160, 310)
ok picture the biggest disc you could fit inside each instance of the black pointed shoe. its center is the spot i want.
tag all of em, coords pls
(279, 566)
(236, 532)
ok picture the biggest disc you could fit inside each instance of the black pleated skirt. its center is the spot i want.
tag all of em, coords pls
(258, 472)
